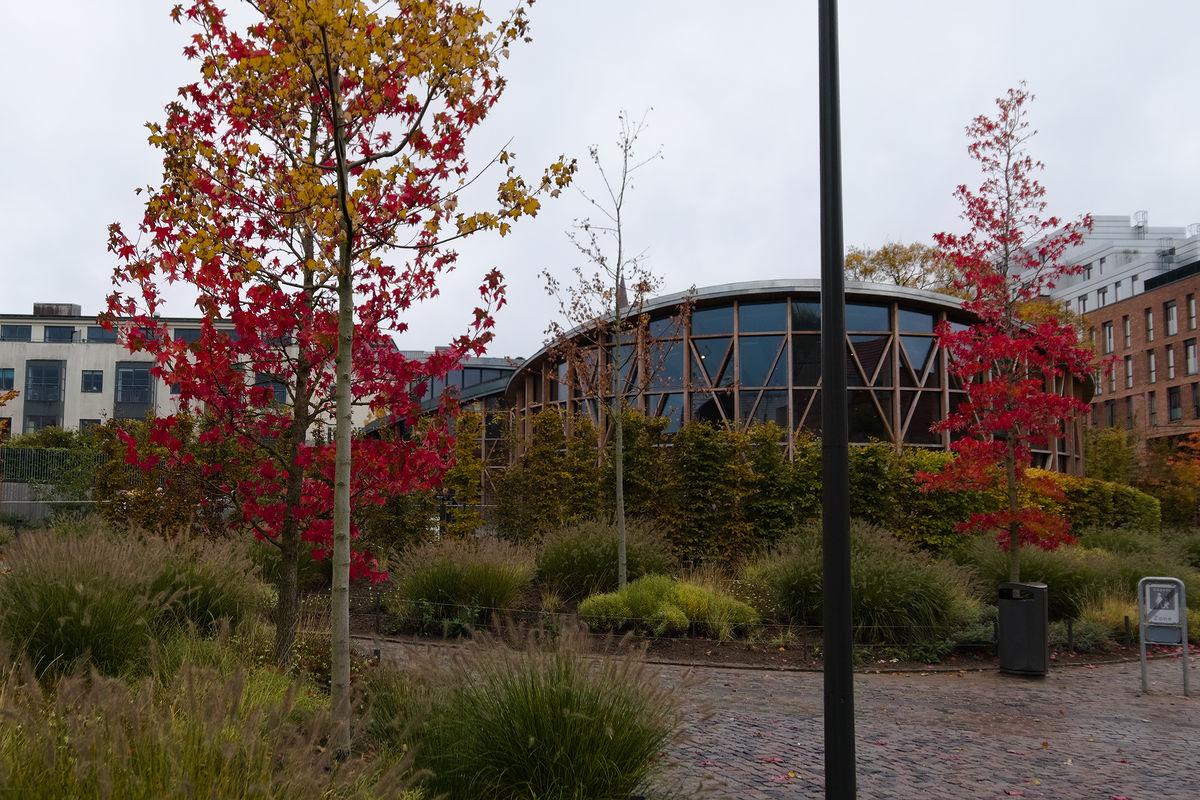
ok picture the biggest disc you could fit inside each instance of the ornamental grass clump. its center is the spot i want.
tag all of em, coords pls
(511, 723)
(70, 599)
(458, 583)
(582, 559)
(203, 734)
(203, 583)
(899, 597)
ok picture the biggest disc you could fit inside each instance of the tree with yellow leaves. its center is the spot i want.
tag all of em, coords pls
(311, 182)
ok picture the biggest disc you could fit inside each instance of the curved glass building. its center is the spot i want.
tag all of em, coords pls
(745, 352)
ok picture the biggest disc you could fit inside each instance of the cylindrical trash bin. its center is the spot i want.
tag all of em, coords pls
(1023, 634)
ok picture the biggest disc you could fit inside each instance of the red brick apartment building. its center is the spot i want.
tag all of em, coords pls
(1151, 341)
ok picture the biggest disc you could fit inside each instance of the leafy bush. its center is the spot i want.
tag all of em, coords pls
(582, 559)
(66, 599)
(511, 724)
(458, 582)
(663, 606)
(898, 596)
(1084, 636)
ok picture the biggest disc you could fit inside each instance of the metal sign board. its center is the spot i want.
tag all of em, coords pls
(1162, 619)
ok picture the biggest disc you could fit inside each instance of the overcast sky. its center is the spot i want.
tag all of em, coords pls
(733, 88)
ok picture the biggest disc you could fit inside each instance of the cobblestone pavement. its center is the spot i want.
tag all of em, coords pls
(1080, 732)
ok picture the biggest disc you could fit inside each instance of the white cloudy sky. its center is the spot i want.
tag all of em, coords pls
(734, 92)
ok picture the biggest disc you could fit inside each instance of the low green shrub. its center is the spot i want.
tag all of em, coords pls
(663, 606)
(898, 597)
(458, 582)
(1082, 636)
(582, 559)
(1122, 541)
(67, 599)
(512, 724)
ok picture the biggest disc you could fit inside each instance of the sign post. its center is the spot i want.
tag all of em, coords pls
(1162, 619)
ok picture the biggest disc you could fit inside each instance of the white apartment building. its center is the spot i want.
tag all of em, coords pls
(1119, 255)
(71, 373)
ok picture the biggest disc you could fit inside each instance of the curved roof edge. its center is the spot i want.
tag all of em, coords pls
(775, 286)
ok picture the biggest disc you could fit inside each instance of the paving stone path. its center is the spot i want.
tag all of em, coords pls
(1080, 733)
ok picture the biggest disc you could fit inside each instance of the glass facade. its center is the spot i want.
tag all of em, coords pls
(739, 359)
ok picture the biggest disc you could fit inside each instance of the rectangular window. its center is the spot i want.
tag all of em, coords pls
(59, 334)
(279, 390)
(16, 333)
(35, 422)
(1191, 312)
(1117, 292)
(1101, 297)
(1196, 401)
(1110, 413)
(1170, 362)
(133, 384)
(1174, 404)
(86, 424)
(43, 383)
(1189, 357)
(1128, 372)
(92, 381)
(189, 335)
(1125, 329)
(1152, 366)
(1149, 325)
(96, 333)
(1107, 329)
(1171, 317)
(6, 378)
(1087, 272)
(1153, 408)
(1129, 412)
(1112, 380)
(1082, 304)
(1102, 260)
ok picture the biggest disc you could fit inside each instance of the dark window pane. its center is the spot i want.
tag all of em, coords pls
(133, 384)
(706, 321)
(757, 359)
(711, 354)
(6, 378)
(864, 418)
(189, 335)
(863, 317)
(917, 350)
(59, 334)
(914, 321)
(806, 316)
(16, 333)
(806, 360)
(664, 365)
(920, 410)
(664, 327)
(712, 407)
(762, 317)
(91, 381)
(772, 407)
(806, 409)
(95, 333)
(43, 381)
(278, 389)
(875, 357)
(669, 406)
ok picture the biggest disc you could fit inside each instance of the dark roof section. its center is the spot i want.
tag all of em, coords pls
(1177, 274)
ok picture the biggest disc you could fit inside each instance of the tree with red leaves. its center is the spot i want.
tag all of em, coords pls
(1014, 366)
(319, 143)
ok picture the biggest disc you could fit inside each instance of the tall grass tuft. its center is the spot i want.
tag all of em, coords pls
(582, 559)
(204, 734)
(898, 597)
(203, 583)
(76, 598)
(456, 583)
(663, 606)
(515, 723)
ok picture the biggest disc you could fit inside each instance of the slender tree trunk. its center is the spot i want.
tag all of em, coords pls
(619, 447)
(344, 367)
(1014, 527)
